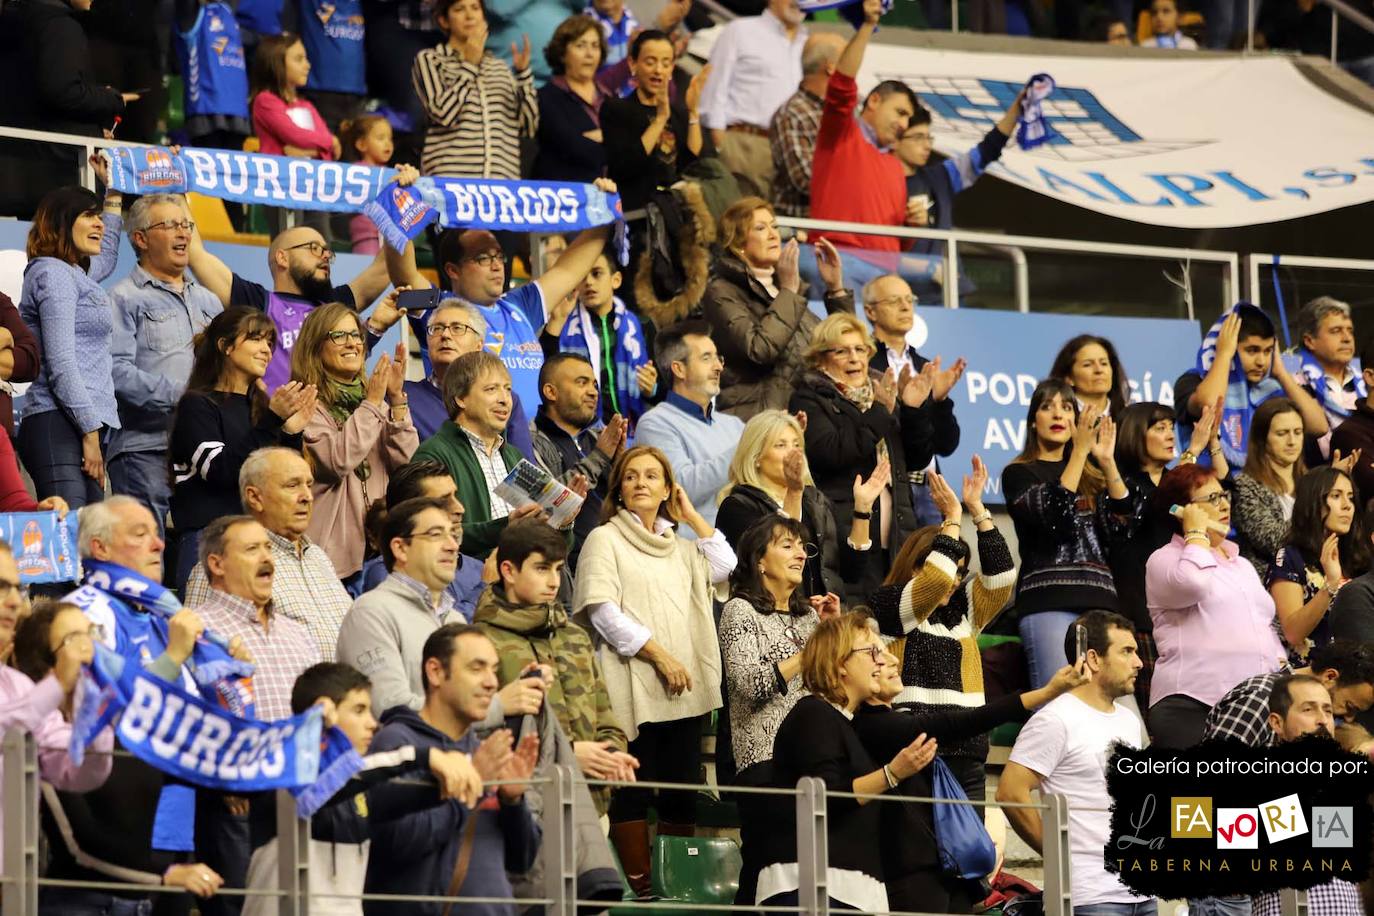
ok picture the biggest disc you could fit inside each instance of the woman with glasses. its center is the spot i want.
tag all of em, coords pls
(1213, 620)
(757, 310)
(853, 420)
(768, 475)
(1325, 548)
(73, 244)
(841, 669)
(1071, 509)
(360, 430)
(935, 607)
(224, 416)
(647, 594)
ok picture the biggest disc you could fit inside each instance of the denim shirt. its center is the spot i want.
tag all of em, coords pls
(152, 354)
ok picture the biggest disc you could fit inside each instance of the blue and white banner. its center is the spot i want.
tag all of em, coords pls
(43, 545)
(402, 213)
(250, 178)
(1008, 353)
(1180, 140)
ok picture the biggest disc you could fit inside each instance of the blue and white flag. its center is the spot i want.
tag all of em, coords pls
(43, 546)
(250, 178)
(851, 10)
(1032, 129)
(402, 213)
(1304, 366)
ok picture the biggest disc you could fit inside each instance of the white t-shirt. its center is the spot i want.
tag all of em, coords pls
(1068, 742)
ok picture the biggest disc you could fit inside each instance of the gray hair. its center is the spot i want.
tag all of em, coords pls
(819, 53)
(1313, 313)
(139, 217)
(98, 521)
(255, 467)
(867, 291)
(212, 537)
(474, 317)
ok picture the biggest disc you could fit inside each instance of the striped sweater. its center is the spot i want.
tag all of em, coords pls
(941, 664)
(477, 114)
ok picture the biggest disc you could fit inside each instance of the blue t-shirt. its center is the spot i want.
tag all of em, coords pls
(332, 31)
(262, 16)
(513, 324)
(211, 56)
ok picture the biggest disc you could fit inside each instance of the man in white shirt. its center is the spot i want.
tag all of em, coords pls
(1063, 750)
(756, 64)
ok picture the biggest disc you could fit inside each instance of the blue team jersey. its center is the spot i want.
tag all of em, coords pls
(261, 16)
(513, 324)
(333, 34)
(212, 65)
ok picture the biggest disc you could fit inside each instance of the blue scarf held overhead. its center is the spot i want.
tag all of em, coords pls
(851, 10)
(580, 335)
(250, 178)
(1032, 129)
(1241, 400)
(44, 548)
(402, 213)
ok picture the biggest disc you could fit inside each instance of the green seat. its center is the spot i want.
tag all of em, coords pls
(695, 870)
(988, 640)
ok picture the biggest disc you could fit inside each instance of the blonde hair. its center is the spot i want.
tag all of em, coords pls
(736, 221)
(827, 336)
(762, 430)
(825, 654)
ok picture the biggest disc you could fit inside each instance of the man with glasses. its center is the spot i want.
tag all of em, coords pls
(698, 440)
(158, 309)
(474, 269)
(889, 306)
(452, 329)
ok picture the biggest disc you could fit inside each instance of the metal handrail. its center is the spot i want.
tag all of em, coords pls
(1345, 10)
(1253, 262)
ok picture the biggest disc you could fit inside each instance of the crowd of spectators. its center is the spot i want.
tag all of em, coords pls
(769, 534)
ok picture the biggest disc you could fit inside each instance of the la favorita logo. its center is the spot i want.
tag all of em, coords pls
(1223, 818)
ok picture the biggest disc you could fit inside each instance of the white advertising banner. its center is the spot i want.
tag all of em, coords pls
(1184, 141)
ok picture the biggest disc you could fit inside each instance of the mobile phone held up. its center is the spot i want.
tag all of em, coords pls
(418, 301)
(1080, 641)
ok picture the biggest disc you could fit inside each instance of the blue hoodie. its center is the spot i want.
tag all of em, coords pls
(415, 849)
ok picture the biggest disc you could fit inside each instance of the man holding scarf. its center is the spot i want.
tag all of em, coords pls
(1325, 361)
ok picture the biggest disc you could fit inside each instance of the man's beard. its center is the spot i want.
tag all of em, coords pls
(312, 287)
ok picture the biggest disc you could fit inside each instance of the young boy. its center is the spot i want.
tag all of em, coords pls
(522, 617)
(618, 24)
(1238, 364)
(1164, 21)
(600, 328)
(339, 832)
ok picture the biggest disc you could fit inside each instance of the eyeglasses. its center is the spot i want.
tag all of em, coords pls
(433, 534)
(842, 352)
(339, 337)
(185, 225)
(457, 329)
(7, 587)
(318, 249)
(88, 633)
(873, 652)
(1213, 498)
(708, 359)
(907, 300)
(487, 258)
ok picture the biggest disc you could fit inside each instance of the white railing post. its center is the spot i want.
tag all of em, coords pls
(951, 284)
(813, 852)
(1054, 836)
(20, 889)
(1250, 27)
(1292, 902)
(558, 849)
(293, 857)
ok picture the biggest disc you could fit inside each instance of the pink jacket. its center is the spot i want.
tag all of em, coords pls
(341, 496)
(1213, 621)
(33, 708)
(278, 125)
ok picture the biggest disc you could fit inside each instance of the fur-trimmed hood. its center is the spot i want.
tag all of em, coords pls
(694, 250)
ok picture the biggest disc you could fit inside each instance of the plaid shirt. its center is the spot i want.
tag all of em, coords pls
(1243, 713)
(493, 469)
(1334, 898)
(793, 138)
(305, 588)
(282, 648)
(416, 15)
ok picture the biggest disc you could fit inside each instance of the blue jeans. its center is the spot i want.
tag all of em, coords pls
(1145, 908)
(64, 901)
(50, 447)
(143, 475)
(924, 506)
(1219, 906)
(1042, 639)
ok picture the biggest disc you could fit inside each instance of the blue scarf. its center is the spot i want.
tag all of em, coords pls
(1310, 372)
(851, 10)
(402, 213)
(1032, 129)
(1241, 400)
(251, 178)
(44, 548)
(581, 335)
(197, 742)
